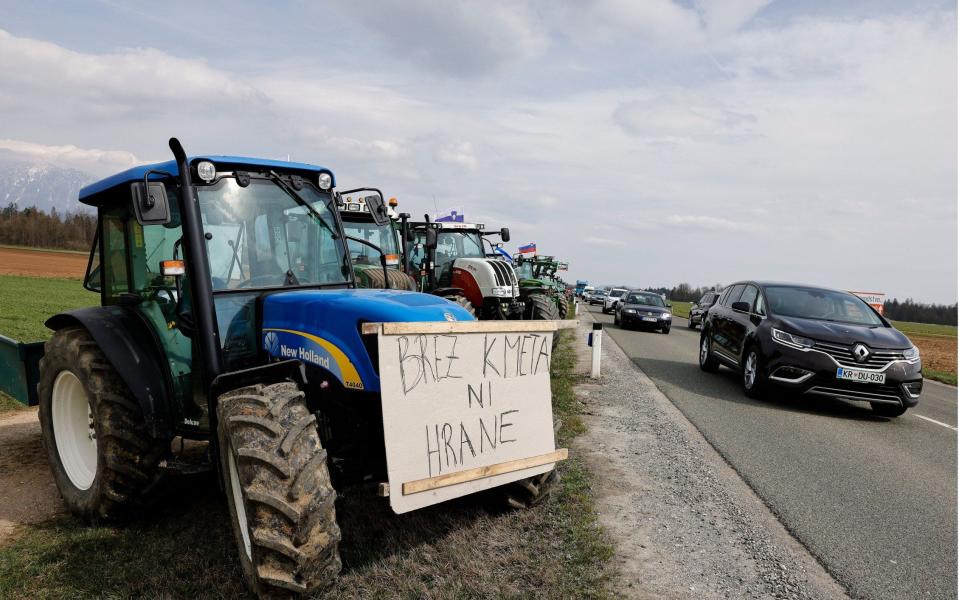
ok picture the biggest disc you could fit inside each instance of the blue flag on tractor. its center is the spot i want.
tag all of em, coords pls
(452, 215)
(531, 247)
(504, 253)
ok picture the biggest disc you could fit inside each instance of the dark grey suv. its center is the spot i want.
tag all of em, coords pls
(699, 309)
(814, 341)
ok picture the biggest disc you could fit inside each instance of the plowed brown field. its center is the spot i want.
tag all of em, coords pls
(42, 263)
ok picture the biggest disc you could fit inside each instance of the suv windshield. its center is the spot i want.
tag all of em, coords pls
(822, 305)
(616, 293)
(383, 236)
(258, 235)
(645, 299)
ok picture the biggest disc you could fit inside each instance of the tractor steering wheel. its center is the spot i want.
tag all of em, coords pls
(268, 280)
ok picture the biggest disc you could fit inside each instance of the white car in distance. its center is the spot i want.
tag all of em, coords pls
(612, 299)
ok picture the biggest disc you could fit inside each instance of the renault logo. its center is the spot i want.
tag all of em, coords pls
(860, 352)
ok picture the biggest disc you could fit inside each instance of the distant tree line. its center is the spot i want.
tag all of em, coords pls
(36, 228)
(685, 292)
(920, 312)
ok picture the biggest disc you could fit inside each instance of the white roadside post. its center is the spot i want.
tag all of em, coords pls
(597, 349)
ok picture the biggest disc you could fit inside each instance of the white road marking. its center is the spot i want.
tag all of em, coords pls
(936, 422)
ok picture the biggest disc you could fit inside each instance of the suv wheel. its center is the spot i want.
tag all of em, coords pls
(690, 323)
(707, 362)
(753, 378)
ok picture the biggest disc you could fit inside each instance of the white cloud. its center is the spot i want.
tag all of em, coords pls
(103, 85)
(86, 159)
(460, 39)
(711, 224)
(460, 154)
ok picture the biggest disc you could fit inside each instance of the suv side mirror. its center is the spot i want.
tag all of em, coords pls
(741, 306)
(152, 207)
(504, 234)
(431, 238)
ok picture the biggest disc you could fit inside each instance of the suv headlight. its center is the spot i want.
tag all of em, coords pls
(666, 316)
(912, 354)
(629, 310)
(789, 339)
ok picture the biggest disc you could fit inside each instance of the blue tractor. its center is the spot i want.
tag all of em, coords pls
(229, 315)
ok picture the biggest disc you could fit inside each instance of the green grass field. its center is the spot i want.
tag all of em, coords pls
(925, 329)
(681, 309)
(26, 302)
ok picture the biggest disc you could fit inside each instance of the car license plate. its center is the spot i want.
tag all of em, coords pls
(650, 319)
(860, 376)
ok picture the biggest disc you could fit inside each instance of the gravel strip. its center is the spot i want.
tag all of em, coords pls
(684, 523)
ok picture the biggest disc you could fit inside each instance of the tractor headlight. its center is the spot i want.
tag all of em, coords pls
(206, 171)
(325, 181)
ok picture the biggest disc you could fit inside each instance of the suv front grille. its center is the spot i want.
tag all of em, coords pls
(877, 359)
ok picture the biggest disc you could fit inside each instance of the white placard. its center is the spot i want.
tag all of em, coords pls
(456, 401)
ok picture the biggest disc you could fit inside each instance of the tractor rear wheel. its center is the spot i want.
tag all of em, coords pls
(278, 489)
(540, 307)
(563, 308)
(103, 459)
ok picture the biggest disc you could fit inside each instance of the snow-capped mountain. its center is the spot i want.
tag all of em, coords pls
(42, 185)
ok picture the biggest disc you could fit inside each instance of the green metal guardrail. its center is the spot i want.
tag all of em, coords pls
(20, 369)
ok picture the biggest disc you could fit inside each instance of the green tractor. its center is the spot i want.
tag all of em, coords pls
(229, 315)
(368, 233)
(544, 291)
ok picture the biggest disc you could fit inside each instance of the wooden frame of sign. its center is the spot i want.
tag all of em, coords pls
(466, 406)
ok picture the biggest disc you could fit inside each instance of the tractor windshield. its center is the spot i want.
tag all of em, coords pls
(383, 236)
(260, 236)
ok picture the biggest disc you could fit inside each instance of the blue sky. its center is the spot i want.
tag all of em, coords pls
(648, 142)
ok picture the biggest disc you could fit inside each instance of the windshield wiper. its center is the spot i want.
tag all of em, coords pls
(292, 193)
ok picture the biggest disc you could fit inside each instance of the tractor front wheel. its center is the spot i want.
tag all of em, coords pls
(540, 307)
(103, 459)
(278, 489)
(464, 302)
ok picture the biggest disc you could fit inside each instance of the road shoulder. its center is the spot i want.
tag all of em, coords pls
(684, 523)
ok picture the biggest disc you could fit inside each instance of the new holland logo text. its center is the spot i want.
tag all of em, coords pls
(305, 354)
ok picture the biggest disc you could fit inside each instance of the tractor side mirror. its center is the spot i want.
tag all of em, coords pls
(410, 235)
(151, 205)
(377, 207)
(504, 234)
(431, 238)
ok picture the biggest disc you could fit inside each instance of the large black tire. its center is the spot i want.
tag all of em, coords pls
(563, 307)
(888, 410)
(462, 301)
(540, 307)
(119, 466)
(754, 385)
(707, 362)
(278, 488)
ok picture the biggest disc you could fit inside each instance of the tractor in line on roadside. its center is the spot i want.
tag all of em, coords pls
(538, 280)
(229, 315)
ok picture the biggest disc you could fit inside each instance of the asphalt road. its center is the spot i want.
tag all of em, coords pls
(873, 499)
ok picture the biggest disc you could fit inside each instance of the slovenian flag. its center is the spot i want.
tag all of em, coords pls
(453, 215)
(531, 247)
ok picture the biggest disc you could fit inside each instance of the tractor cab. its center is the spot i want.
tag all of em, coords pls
(452, 261)
(373, 240)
